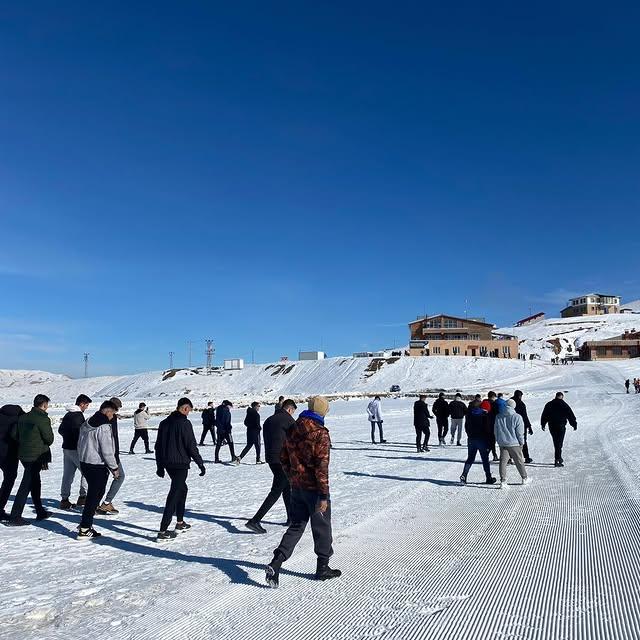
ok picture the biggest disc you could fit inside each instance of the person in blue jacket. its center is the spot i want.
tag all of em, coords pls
(224, 427)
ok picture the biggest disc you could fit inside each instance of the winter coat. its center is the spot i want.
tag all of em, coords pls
(492, 414)
(421, 414)
(176, 445)
(252, 420)
(9, 415)
(209, 417)
(477, 426)
(69, 427)
(305, 454)
(509, 428)
(557, 413)
(277, 407)
(274, 432)
(34, 435)
(457, 409)
(521, 410)
(140, 419)
(374, 411)
(96, 445)
(441, 410)
(223, 419)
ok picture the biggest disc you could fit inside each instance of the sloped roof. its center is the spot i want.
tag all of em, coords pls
(446, 315)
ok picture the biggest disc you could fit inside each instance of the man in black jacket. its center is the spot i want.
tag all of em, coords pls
(457, 411)
(421, 417)
(252, 422)
(208, 423)
(478, 439)
(224, 427)
(521, 410)
(175, 448)
(493, 414)
(9, 415)
(556, 414)
(69, 429)
(441, 412)
(275, 431)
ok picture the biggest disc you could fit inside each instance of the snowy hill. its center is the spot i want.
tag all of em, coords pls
(18, 377)
(564, 336)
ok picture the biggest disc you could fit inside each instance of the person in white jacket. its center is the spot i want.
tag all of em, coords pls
(140, 419)
(374, 414)
(509, 432)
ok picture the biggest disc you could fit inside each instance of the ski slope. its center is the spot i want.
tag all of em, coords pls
(422, 556)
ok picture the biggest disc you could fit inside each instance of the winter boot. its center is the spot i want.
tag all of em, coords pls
(528, 460)
(325, 572)
(272, 570)
(65, 505)
(490, 480)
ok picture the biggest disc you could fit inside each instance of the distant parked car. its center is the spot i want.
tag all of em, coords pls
(395, 388)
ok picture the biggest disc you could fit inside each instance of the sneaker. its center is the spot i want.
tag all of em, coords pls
(503, 484)
(132, 453)
(459, 444)
(426, 449)
(272, 576)
(528, 460)
(80, 502)
(87, 534)
(65, 505)
(166, 535)
(496, 459)
(463, 479)
(17, 522)
(383, 442)
(236, 461)
(217, 462)
(43, 515)
(182, 526)
(149, 451)
(256, 527)
(490, 481)
(107, 509)
(526, 480)
(259, 462)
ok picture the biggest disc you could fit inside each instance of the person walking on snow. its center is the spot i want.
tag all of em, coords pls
(627, 383)
(9, 415)
(521, 410)
(477, 426)
(457, 411)
(441, 411)
(208, 423)
(421, 423)
(492, 399)
(107, 508)
(556, 414)
(140, 419)
(252, 423)
(224, 427)
(274, 432)
(374, 414)
(34, 436)
(97, 453)
(69, 429)
(278, 405)
(175, 448)
(305, 459)
(509, 433)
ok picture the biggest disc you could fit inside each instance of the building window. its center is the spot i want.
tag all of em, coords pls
(456, 351)
(506, 352)
(474, 336)
(617, 351)
(450, 323)
(435, 350)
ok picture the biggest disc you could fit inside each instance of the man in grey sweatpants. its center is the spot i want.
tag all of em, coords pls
(107, 508)
(509, 432)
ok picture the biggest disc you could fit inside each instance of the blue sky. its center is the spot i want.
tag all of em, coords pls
(279, 176)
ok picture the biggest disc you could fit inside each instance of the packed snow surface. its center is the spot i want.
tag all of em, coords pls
(422, 556)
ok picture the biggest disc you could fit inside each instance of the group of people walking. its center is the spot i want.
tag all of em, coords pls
(636, 384)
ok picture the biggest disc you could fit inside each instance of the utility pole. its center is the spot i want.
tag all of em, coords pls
(209, 352)
(86, 365)
(170, 359)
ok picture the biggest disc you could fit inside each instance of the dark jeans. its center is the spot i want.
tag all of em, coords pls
(373, 430)
(475, 446)
(525, 447)
(420, 431)
(279, 487)
(443, 429)
(9, 468)
(96, 476)
(303, 510)
(208, 429)
(177, 497)
(225, 438)
(253, 440)
(140, 434)
(30, 485)
(558, 433)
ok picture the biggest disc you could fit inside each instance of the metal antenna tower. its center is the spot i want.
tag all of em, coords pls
(170, 359)
(210, 350)
(86, 365)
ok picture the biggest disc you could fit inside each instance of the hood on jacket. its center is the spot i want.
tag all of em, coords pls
(73, 409)
(506, 410)
(12, 410)
(97, 419)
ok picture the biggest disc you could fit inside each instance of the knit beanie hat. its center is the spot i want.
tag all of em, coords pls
(511, 403)
(319, 405)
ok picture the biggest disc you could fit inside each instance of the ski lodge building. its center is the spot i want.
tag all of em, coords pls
(619, 348)
(591, 304)
(444, 335)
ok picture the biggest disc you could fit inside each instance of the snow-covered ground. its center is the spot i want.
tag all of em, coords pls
(422, 557)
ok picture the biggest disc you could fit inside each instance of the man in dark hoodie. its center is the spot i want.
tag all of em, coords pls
(252, 423)
(175, 448)
(556, 414)
(492, 399)
(421, 423)
(305, 459)
(107, 508)
(275, 431)
(441, 412)
(9, 415)
(208, 423)
(224, 427)
(478, 439)
(34, 436)
(457, 411)
(521, 410)
(69, 429)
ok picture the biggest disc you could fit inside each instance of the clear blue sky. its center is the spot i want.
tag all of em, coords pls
(279, 175)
